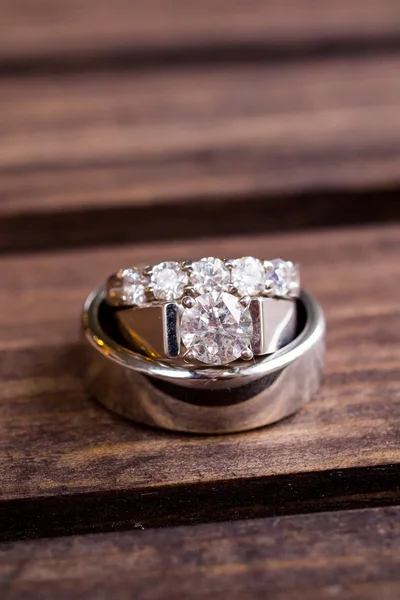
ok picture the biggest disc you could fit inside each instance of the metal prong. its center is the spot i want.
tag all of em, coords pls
(269, 288)
(247, 354)
(245, 301)
(229, 262)
(149, 295)
(232, 289)
(189, 290)
(189, 356)
(147, 270)
(187, 265)
(188, 301)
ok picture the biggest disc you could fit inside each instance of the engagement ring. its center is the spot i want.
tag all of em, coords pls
(207, 346)
(212, 311)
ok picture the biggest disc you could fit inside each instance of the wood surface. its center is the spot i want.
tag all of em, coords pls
(87, 159)
(139, 131)
(352, 555)
(34, 29)
(87, 469)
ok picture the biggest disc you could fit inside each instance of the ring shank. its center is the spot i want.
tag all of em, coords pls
(203, 400)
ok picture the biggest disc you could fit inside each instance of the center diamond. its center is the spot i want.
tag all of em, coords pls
(216, 329)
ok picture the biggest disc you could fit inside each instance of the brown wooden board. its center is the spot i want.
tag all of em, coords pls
(33, 29)
(67, 464)
(284, 146)
(352, 555)
(159, 121)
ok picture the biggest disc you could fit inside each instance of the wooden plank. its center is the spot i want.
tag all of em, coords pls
(69, 465)
(273, 112)
(114, 148)
(353, 555)
(33, 28)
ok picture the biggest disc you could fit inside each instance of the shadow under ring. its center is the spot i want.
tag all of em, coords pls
(202, 399)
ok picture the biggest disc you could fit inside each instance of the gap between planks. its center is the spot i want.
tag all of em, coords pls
(164, 28)
(351, 554)
(116, 158)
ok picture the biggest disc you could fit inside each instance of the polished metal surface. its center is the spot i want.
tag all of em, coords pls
(154, 330)
(231, 398)
(274, 324)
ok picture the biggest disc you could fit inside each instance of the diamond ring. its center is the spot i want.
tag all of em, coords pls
(211, 311)
(194, 397)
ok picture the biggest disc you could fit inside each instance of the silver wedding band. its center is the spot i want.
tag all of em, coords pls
(155, 389)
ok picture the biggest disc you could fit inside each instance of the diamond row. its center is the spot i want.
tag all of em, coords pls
(168, 281)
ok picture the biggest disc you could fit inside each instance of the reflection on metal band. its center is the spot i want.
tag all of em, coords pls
(202, 399)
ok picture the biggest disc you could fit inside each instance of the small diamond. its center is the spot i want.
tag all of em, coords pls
(284, 276)
(248, 275)
(168, 281)
(209, 274)
(130, 288)
(217, 328)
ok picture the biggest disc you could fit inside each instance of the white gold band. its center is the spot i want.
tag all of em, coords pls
(197, 399)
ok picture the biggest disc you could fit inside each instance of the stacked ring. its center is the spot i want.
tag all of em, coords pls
(208, 346)
(211, 311)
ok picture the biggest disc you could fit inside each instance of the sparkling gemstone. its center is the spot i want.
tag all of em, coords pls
(130, 288)
(216, 328)
(284, 276)
(209, 274)
(248, 275)
(168, 281)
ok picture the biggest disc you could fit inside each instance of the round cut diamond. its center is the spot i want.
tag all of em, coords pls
(248, 275)
(130, 287)
(209, 274)
(168, 281)
(284, 276)
(216, 329)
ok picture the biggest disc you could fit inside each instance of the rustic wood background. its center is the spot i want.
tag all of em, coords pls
(135, 131)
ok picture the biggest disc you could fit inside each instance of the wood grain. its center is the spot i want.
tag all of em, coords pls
(68, 465)
(353, 555)
(152, 121)
(31, 29)
(266, 139)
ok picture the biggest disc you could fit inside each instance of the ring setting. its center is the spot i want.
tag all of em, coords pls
(171, 280)
(200, 397)
(214, 311)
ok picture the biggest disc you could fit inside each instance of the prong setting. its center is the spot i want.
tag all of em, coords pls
(209, 274)
(245, 301)
(214, 299)
(232, 289)
(189, 356)
(247, 354)
(188, 301)
(248, 276)
(127, 287)
(147, 270)
(269, 288)
(186, 266)
(229, 262)
(149, 295)
(217, 327)
(190, 291)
